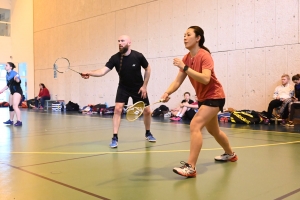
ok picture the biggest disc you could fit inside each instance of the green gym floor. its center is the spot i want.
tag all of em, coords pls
(62, 156)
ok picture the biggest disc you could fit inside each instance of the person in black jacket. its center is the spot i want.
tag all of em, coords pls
(295, 103)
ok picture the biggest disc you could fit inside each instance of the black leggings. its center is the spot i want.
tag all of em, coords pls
(275, 104)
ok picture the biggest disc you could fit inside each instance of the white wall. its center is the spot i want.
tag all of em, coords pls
(22, 38)
(19, 46)
(5, 51)
(253, 42)
(6, 4)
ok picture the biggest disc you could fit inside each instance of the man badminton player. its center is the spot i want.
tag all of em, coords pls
(198, 66)
(127, 63)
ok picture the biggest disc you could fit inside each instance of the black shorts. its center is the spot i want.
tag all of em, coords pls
(16, 90)
(123, 96)
(190, 113)
(213, 103)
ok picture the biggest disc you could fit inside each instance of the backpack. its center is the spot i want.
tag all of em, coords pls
(4, 104)
(161, 110)
(98, 107)
(71, 106)
(108, 111)
(30, 102)
(245, 117)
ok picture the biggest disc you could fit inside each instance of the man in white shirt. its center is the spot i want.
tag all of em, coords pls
(282, 93)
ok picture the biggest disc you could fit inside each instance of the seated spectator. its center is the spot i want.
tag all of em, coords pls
(188, 108)
(282, 94)
(295, 104)
(43, 95)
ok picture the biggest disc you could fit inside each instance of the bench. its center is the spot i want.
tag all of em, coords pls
(48, 103)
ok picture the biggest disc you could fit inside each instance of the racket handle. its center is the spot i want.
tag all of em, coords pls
(85, 76)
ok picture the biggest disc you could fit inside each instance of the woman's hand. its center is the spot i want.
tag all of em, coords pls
(17, 78)
(178, 63)
(165, 97)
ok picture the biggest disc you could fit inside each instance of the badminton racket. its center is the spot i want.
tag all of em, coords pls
(136, 110)
(62, 65)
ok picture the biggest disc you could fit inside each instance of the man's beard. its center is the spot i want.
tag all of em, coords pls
(124, 49)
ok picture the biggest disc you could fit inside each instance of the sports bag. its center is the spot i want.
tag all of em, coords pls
(71, 106)
(245, 117)
(161, 110)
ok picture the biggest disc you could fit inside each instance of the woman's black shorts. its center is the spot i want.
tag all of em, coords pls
(16, 89)
(213, 103)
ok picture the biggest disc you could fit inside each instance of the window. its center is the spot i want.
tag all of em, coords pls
(4, 22)
(23, 74)
(5, 95)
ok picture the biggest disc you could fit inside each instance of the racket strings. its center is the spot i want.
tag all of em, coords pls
(62, 65)
(133, 112)
(136, 110)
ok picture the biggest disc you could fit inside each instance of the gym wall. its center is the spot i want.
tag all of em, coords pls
(253, 42)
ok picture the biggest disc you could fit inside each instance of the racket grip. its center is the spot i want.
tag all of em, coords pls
(85, 76)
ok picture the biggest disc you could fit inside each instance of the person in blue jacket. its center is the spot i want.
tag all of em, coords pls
(14, 84)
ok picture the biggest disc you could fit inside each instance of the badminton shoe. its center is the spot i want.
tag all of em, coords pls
(175, 119)
(150, 137)
(8, 122)
(227, 157)
(114, 142)
(18, 123)
(290, 123)
(185, 170)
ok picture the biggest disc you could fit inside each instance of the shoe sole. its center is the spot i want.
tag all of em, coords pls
(190, 176)
(114, 146)
(150, 140)
(233, 159)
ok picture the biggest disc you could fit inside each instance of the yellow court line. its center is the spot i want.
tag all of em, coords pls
(142, 152)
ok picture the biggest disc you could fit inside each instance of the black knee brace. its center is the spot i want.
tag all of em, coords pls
(11, 108)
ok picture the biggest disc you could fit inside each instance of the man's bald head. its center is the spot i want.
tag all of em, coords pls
(124, 43)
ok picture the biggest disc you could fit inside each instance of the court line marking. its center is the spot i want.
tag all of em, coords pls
(57, 182)
(142, 152)
(288, 194)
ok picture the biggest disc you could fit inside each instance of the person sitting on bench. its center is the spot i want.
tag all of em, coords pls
(282, 95)
(42, 97)
(295, 104)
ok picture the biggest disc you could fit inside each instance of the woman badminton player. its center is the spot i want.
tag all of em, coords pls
(14, 84)
(198, 66)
